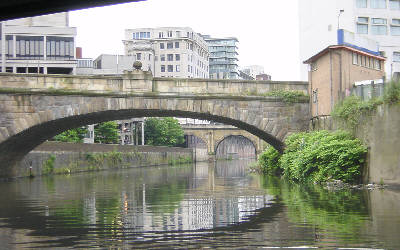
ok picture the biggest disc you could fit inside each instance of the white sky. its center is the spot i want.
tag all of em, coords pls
(267, 30)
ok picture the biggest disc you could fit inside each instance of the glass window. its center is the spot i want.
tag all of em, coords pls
(161, 45)
(170, 68)
(395, 30)
(355, 58)
(176, 45)
(138, 56)
(394, 4)
(362, 28)
(378, 4)
(396, 56)
(378, 65)
(162, 57)
(379, 21)
(177, 57)
(379, 30)
(170, 45)
(362, 20)
(170, 57)
(361, 3)
(395, 21)
(160, 34)
(162, 68)
(178, 68)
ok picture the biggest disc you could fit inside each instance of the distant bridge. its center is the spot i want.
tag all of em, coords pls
(35, 108)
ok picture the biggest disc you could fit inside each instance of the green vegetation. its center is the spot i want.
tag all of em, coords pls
(351, 110)
(48, 165)
(72, 135)
(318, 157)
(180, 160)
(106, 132)
(163, 132)
(289, 96)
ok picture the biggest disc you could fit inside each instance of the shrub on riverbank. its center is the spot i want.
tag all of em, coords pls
(318, 157)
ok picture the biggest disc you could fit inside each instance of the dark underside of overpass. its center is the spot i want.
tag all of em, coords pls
(27, 8)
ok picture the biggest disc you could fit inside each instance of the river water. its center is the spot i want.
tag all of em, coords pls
(207, 205)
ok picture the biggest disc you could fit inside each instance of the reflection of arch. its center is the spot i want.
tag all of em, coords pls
(219, 151)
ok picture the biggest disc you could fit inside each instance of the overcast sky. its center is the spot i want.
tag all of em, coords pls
(267, 30)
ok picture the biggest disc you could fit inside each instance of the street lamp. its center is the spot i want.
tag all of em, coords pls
(338, 18)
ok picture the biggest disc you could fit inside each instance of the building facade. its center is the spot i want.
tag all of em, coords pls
(335, 70)
(375, 19)
(223, 57)
(43, 44)
(169, 51)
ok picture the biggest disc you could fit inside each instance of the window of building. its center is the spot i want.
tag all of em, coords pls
(169, 33)
(29, 47)
(379, 26)
(170, 57)
(162, 57)
(178, 68)
(149, 57)
(160, 34)
(138, 56)
(177, 57)
(58, 48)
(396, 56)
(378, 4)
(178, 34)
(170, 45)
(161, 45)
(361, 3)
(394, 4)
(395, 27)
(170, 68)
(189, 68)
(362, 28)
(162, 68)
(355, 58)
(378, 65)
(9, 46)
(176, 45)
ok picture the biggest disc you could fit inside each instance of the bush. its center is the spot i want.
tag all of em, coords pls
(289, 96)
(352, 108)
(392, 93)
(269, 161)
(317, 157)
(322, 156)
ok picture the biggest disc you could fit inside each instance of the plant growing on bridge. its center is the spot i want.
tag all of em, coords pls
(163, 132)
(318, 157)
(289, 96)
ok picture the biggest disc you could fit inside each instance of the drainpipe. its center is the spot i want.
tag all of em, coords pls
(331, 81)
(143, 133)
(3, 47)
(340, 75)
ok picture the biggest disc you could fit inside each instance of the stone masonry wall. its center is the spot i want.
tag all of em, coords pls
(72, 157)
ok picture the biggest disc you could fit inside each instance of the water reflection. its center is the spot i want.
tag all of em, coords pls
(213, 205)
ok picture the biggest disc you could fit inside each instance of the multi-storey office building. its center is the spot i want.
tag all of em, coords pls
(223, 57)
(375, 19)
(43, 44)
(169, 51)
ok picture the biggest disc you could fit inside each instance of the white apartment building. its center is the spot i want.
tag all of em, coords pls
(169, 51)
(374, 19)
(42, 44)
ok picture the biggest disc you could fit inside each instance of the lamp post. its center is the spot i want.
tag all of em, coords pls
(338, 18)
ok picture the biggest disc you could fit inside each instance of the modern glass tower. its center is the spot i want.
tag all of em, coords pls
(223, 57)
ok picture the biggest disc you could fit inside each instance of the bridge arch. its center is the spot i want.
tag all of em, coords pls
(30, 119)
(221, 140)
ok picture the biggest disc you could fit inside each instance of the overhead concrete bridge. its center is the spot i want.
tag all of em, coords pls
(35, 108)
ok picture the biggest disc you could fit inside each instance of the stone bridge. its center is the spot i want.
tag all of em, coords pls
(213, 134)
(35, 108)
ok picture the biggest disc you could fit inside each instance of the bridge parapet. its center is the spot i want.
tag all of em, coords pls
(138, 81)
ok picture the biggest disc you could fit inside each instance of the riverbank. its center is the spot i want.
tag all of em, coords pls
(61, 157)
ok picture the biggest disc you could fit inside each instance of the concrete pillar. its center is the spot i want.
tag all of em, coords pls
(143, 133)
(3, 47)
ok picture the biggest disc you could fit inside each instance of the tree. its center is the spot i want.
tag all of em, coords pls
(72, 135)
(106, 132)
(163, 132)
